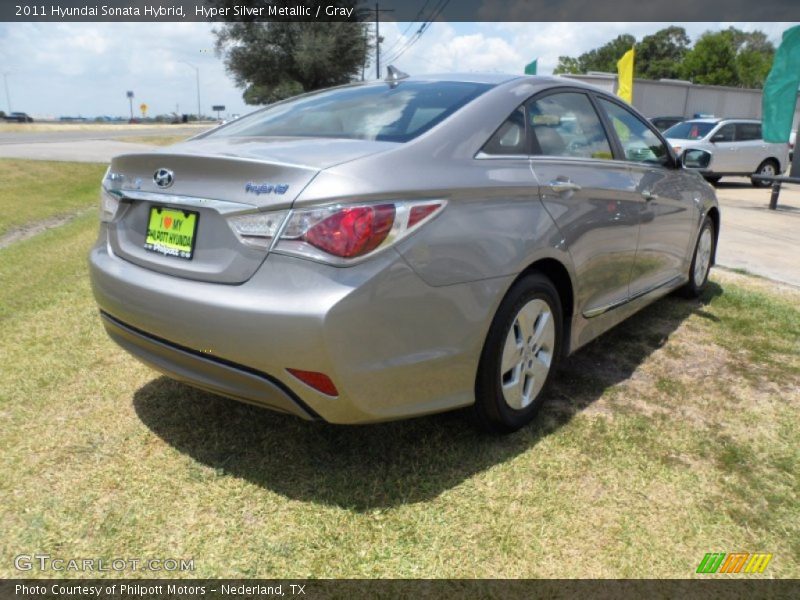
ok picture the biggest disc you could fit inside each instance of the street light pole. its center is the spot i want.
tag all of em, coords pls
(8, 96)
(197, 76)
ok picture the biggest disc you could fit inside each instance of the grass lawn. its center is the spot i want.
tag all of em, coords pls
(33, 190)
(672, 436)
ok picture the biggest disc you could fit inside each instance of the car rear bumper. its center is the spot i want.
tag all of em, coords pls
(206, 372)
(394, 346)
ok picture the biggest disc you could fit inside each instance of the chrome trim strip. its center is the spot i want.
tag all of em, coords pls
(595, 312)
(221, 206)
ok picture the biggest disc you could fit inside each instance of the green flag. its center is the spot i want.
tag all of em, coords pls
(530, 69)
(780, 90)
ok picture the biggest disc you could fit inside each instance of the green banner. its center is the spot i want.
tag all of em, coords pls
(530, 69)
(780, 90)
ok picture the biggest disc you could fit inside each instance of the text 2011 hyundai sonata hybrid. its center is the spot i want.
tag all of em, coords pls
(397, 248)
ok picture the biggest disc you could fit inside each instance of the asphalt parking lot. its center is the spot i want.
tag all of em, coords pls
(756, 239)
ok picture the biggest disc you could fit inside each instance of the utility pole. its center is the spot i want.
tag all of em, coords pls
(377, 41)
(378, 11)
(8, 96)
(197, 75)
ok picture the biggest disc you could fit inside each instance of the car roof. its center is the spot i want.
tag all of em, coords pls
(493, 78)
(721, 120)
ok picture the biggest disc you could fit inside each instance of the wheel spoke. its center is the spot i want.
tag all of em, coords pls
(541, 366)
(512, 389)
(512, 352)
(542, 327)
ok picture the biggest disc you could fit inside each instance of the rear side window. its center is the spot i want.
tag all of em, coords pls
(689, 130)
(639, 143)
(748, 132)
(368, 112)
(510, 138)
(724, 133)
(566, 124)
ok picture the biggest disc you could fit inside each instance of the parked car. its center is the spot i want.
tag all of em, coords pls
(664, 123)
(18, 117)
(735, 146)
(390, 249)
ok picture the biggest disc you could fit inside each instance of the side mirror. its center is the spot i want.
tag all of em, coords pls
(696, 159)
(717, 137)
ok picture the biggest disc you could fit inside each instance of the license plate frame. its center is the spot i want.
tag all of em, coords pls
(168, 239)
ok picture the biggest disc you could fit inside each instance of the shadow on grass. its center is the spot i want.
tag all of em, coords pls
(389, 464)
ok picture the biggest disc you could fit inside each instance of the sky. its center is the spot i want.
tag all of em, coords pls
(85, 69)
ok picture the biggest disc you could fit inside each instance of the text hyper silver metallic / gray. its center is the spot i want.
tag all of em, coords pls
(390, 249)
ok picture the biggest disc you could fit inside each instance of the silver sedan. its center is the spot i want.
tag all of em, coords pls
(398, 248)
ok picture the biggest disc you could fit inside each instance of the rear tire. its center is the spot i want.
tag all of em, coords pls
(701, 261)
(519, 356)
(769, 168)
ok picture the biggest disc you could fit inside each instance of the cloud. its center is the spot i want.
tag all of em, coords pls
(86, 68)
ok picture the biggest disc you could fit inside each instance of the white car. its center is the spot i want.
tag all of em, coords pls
(735, 146)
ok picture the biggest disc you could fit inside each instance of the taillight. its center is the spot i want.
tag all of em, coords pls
(352, 231)
(338, 233)
(258, 229)
(343, 233)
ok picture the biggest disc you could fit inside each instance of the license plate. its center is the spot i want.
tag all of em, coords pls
(171, 232)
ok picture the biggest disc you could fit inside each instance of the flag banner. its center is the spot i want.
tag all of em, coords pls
(625, 71)
(780, 90)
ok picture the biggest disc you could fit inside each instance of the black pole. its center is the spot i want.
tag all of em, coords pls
(776, 192)
(377, 41)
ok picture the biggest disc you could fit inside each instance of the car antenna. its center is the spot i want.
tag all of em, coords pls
(395, 75)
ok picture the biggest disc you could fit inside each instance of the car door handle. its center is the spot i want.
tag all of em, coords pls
(649, 196)
(560, 186)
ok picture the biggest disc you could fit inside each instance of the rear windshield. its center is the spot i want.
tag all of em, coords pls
(364, 112)
(689, 130)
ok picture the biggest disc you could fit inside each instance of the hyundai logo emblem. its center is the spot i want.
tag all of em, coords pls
(163, 178)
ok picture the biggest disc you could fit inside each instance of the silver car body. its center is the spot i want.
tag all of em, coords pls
(400, 332)
(741, 151)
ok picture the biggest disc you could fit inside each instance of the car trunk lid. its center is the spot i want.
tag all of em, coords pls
(209, 180)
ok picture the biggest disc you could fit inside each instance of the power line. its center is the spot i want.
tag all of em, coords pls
(437, 10)
(417, 19)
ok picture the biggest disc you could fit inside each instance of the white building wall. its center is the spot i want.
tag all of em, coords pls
(669, 98)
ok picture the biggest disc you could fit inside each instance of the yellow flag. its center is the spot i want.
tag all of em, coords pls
(625, 70)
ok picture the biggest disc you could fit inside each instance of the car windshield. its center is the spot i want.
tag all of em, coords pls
(367, 112)
(689, 130)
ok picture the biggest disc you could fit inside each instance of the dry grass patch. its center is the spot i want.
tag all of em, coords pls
(155, 140)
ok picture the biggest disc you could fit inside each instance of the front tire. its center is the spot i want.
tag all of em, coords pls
(768, 168)
(519, 356)
(701, 261)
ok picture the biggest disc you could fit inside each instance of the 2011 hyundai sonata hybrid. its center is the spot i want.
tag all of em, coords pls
(397, 248)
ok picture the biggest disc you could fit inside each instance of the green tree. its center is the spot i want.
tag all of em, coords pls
(660, 54)
(603, 58)
(730, 57)
(754, 54)
(277, 59)
(712, 60)
(568, 65)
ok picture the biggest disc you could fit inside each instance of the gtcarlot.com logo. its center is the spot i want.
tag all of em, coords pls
(735, 562)
(45, 562)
